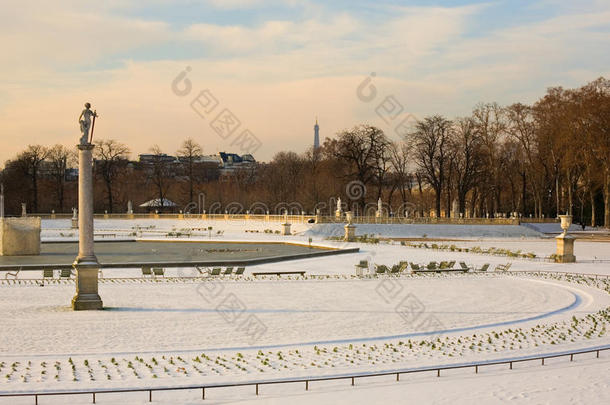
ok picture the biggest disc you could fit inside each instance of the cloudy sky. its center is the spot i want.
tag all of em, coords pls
(273, 66)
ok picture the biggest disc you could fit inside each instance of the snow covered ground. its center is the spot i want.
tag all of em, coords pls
(430, 231)
(180, 332)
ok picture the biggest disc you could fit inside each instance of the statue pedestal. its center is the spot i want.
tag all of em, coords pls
(20, 236)
(74, 223)
(338, 214)
(87, 297)
(286, 229)
(565, 249)
(350, 233)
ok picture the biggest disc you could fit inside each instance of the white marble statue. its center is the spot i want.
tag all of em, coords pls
(85, 123)
(339, 204)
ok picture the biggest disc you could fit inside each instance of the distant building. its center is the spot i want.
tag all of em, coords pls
(316, 135)
(206, 167)
(151, 158)
(230, 163)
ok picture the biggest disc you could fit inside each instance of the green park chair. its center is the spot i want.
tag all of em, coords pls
(381, 269)
(484, 267)
(503, 267)
(464, 266)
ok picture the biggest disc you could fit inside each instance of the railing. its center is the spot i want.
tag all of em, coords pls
(298, 218)
(422, 220)
(561, 273)
(351, 377)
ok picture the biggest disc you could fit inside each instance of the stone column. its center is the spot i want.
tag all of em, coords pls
(86, 264)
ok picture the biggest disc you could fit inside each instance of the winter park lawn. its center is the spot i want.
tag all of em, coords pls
(177, 331)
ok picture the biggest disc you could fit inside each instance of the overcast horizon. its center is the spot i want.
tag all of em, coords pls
(278, 65)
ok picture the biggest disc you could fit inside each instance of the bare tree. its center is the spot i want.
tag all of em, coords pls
(522, 128)
(160, 173)
(30, 162)
(363, 150)
(110, 157)
(490, 125)
(400, 153)
(466, 150)
(597, 95)
(60, 158)
(188, 154)
(430, 142)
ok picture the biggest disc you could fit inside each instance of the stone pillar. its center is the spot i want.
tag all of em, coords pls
(565, 242)
(286, 224)
(86, 264)
(350, 233)
(565, 249)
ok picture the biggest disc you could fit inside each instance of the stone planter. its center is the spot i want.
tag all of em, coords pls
(20, 236)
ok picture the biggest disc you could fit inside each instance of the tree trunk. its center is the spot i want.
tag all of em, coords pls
(570, 197)
(61, 197)
(421, 197)
(462, 203)
(557, 209)
(191, 182)
(437, 197)
(523, 193)
(109, 191)
(35, 187)
(592, 200)
(607, 200)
